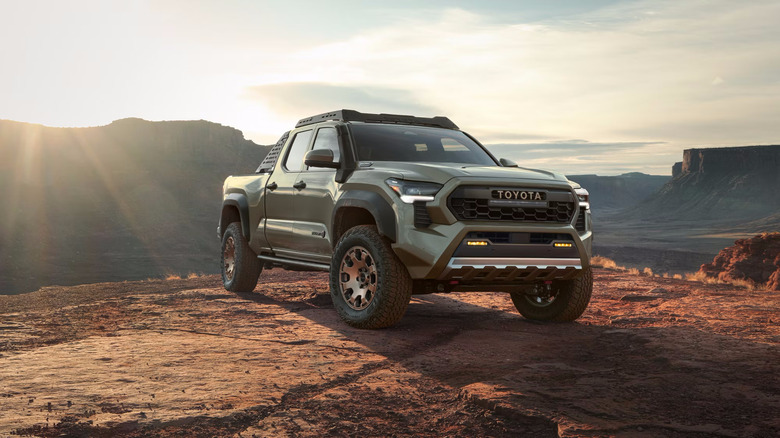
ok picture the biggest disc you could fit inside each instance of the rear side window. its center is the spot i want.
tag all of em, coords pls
(294, 160)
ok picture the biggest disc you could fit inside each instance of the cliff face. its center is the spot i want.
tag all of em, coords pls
(735, 183)
(720, 161)
(756, 259)
(677, 169)
(130, 200)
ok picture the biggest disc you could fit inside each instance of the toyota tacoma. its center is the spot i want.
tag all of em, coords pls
(395, 205)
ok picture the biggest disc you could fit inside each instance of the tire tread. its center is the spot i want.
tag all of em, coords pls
(572, 300)
(247, 268)
(396, 284)
(579, 297)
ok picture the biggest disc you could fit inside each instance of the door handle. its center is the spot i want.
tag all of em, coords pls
(300, 185)
(272, 186)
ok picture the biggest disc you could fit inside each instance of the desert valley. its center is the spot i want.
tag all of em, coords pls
(113, 322)
(389, 219)
(137, 199)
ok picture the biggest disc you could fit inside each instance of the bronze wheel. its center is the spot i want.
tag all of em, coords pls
(369, 285)
(240, 265)
(357, 278)
(229, 258)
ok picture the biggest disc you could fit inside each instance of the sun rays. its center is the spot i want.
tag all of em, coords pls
(78, 202)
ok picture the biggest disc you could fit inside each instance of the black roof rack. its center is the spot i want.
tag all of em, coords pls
(347, 115)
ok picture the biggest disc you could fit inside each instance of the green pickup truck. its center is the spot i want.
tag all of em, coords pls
(395, 205)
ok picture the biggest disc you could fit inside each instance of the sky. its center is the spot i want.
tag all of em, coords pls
(599, 86)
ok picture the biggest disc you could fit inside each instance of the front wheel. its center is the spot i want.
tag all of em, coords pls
(369, 285)
(240, 266)
(561, 301)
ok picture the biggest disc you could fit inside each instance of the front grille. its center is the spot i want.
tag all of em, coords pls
(480, 209)
(580, 224)
(493, 237)
(548, 238)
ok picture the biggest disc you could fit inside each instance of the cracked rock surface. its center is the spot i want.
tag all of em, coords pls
(650, 357)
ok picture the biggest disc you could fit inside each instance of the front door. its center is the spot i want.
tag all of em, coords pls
(280, 195)
(315, 202)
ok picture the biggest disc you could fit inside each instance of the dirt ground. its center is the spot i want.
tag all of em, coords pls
(650, 357)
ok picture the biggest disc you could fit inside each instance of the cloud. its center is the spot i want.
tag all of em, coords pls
(695, 73)
(606, 74)
(641, 80)
(301, 99)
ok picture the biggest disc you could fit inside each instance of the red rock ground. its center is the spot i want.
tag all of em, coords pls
(650, 357)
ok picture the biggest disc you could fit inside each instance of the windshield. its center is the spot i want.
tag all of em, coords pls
(377, 142)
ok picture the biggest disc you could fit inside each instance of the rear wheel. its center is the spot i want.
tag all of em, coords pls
(240, 265)
(369, 285)
(560, 301)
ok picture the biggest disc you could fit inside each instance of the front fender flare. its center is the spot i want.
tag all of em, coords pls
(380, 209)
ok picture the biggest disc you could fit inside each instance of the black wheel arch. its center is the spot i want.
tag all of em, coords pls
(381, 211)
(232, 204)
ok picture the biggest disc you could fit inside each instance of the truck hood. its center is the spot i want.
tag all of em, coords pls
(443, 172)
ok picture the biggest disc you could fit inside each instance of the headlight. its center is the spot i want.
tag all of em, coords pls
(411, 191)
(583, 196)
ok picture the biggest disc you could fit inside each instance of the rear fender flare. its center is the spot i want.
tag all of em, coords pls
(239, 201)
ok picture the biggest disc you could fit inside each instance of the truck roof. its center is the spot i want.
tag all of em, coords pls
(347, 115)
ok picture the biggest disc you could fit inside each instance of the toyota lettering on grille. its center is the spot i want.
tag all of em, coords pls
(522, 195)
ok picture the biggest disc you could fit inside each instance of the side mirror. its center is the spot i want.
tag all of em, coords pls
(321, 158)
(507, 163)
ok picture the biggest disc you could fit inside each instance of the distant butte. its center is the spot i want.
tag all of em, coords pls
(717, 184)
(731, 159)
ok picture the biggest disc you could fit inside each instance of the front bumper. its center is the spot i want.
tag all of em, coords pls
(509, 270)
(432, 252)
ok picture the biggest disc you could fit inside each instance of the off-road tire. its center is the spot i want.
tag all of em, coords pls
(242, 275)
(570, 302)
(393, 284)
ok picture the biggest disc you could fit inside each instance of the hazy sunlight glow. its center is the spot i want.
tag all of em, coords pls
(120, 198)
(654, 76)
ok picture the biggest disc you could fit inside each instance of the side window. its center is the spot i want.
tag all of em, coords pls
(327, 139)
(294, 160)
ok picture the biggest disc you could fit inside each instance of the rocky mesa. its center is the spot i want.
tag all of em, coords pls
(721, 184)
(130, 200)
(716, 195)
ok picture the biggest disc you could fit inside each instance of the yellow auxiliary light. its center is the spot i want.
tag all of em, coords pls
(562, 245)
(477, 243)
